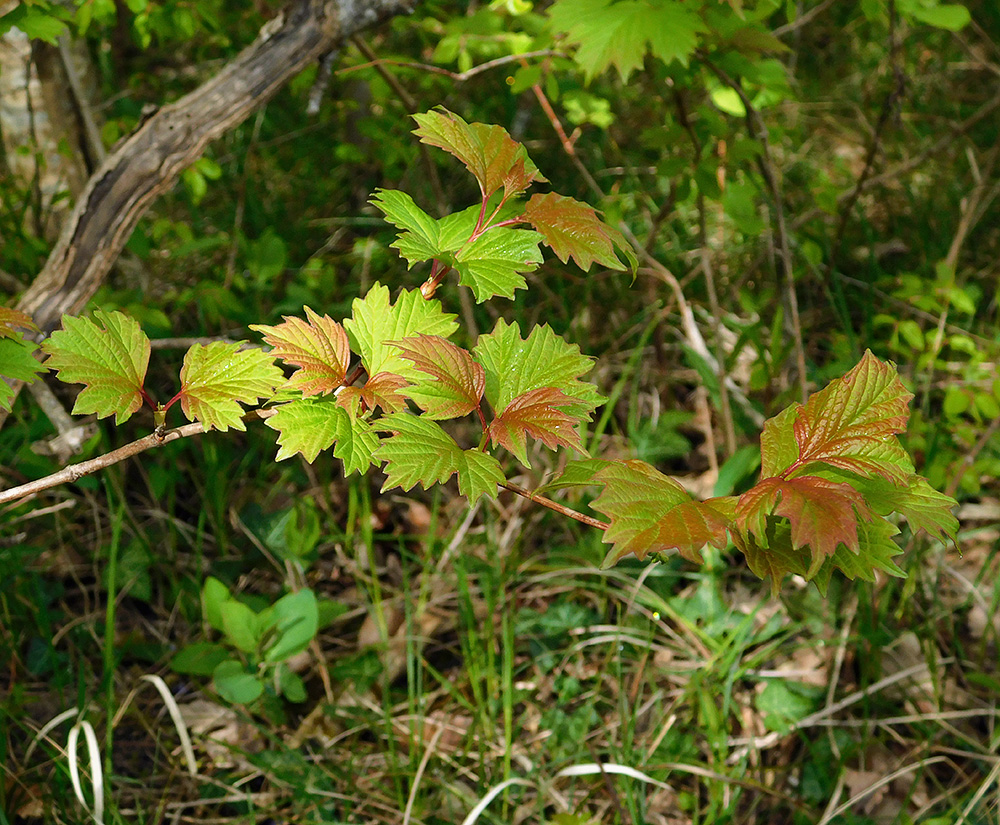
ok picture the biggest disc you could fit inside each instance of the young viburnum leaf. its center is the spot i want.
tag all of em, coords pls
(14, 318)
(853, 422)
(420, 452)
(651, 513)
(451, 384)
(318, 347)
(923, 507)
(774, 556)
(216, 378)
(536, 413)
(384, 390)
(617, 34)
(312, 425)
(109, 357)
(876, 549)
(488, 152)
(17, 361)
(822, 513)
(515, 366)
(424, 238)
(376, 322)
(492, 264)
(578, 473)
(573, 230)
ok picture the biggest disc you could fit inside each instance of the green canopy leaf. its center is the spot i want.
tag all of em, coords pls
(420, 452)
(108, 357)
(217, 378)
(375, 323)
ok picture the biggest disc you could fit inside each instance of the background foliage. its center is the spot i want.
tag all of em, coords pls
(808, 180)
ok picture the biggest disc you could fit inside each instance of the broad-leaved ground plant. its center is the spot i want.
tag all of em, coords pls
(385, 387)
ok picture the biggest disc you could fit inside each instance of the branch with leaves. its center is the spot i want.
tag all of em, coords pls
(379, 389)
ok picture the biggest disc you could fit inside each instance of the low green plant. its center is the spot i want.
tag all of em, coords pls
(257, 644)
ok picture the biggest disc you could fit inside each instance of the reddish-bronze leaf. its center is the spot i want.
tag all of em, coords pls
(318, 347)
(11, 318)
(488, 152)
(536, 413)
(572, 229)
(651, 513)
(822, 513)
(382, 390)
(852, 423)
(455, 382)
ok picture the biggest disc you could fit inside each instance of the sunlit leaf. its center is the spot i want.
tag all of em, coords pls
(573, 230)
(217, 378)
(420, 452)
(451, 383)
(375, 323)
(618, 34)
(317, 346)
(108, 357)
(312, 425)
(536, 413)
(494, 263)
(852, 423)
(651, 513)
(18, 362)
(488, 152)
(515, 366)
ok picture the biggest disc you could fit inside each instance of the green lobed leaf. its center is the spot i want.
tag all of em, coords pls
(451, 383)
(420, 452)
(876, 550)
(19, 363)
(494, 262)
(537, 413)
(375, 323)
(923, 507)
(618, 33)
(424, 237)
(514, 366)
(36, 21)
(108, 357)
(651, 513)
(572, 229)
(217, 378)
(479, 474)
(488, 152)
(317, 346)
(311, 425)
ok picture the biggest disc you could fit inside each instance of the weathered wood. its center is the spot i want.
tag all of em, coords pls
(148, 162)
